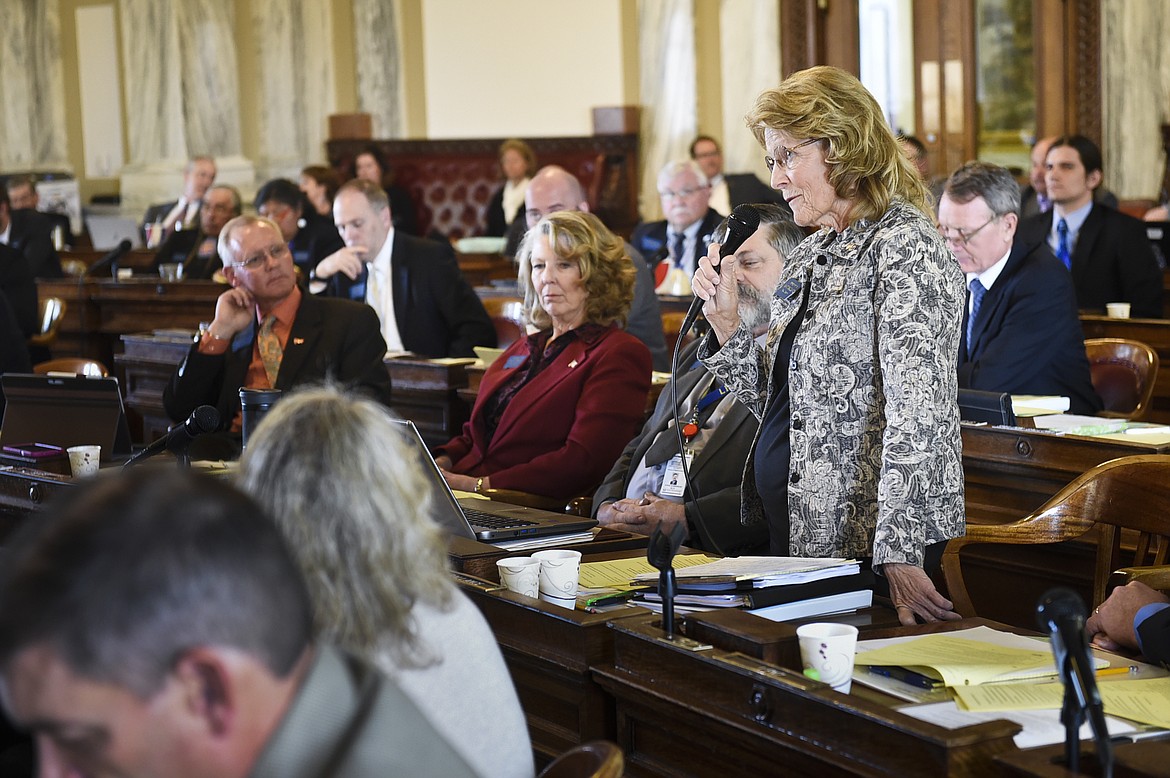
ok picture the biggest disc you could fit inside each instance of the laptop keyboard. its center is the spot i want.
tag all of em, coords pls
(492, 521)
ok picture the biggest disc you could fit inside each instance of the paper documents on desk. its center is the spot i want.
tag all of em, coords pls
(967, 657)
(617, 573)
(760, 570)
(1147, 701)
(1072, 424)
(1040, 728)
(1039, 404)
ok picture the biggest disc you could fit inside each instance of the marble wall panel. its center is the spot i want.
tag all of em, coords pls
(379, 65)
(210, 76)
(1135, 94)
(296, 65)
(32, 124)
(749, 47)
(152, 75)
(666, 48)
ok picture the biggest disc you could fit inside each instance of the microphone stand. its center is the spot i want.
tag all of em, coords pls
(660, 554)
(1072, 715)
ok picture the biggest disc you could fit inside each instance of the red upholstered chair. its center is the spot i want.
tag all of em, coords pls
(1123, 373)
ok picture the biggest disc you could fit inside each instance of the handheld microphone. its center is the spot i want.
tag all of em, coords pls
(741, 225)
(203, 419)
(1061, 614)
(111, 259)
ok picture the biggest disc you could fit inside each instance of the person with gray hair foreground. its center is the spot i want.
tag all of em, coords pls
(155, 624)
(356, 510)
(1021, 333)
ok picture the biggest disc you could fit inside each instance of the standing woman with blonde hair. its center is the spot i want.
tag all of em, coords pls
(352, 502)
(858, 452)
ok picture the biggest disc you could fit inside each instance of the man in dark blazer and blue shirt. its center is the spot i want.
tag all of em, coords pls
(423, 302)
(1107, 251)
(1021, 333)
(681, 237)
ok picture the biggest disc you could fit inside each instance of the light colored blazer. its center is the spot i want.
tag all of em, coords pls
(876, 454)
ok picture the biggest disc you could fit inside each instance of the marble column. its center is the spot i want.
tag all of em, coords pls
(296, 68)
(152, 69)
(666, 46)
(1135, 94)
(32, 93)
(749, 45)
(379, 65)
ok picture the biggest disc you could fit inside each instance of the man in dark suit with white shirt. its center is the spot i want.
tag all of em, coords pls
(678, 240)
(1020, 330)
(31, 234)
(729, 190)
(1106, 251)
(182, 213)
(424, 303)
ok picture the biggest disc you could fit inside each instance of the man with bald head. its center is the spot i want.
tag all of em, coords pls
(555, 189)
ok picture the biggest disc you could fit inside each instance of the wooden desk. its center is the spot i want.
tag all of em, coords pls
(1154, 332)
(424, 391)
(482, 269)
(725, 712)
(24, 491)
(1130, 760)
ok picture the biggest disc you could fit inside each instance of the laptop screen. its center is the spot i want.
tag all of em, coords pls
(65, 411)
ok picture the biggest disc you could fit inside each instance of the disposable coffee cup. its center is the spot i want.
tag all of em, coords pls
(827, 652)
(559, 572)
(170, 271)
(83, 460)
(520, 574)
(1117, 310)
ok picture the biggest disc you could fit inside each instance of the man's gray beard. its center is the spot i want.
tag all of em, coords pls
(755, 310)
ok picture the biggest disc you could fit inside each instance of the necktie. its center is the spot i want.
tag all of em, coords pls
(270, 350)
(1062, 251)
(676, 248)
(977, 292)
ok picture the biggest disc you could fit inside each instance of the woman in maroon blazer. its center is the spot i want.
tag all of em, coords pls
(556, 409)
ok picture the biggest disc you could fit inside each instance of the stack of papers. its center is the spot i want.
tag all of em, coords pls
(1039, 404)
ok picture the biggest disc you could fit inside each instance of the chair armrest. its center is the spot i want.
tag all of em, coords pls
(580, 506)
(1156, 577)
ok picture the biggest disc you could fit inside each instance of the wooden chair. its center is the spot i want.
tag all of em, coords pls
(597, 759)
(52, 311)
(90, 368)
(507, 315)
(671, 324)
(1123, 373)
(1130, 493)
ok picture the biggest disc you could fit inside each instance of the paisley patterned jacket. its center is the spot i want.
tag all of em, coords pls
(876, 464)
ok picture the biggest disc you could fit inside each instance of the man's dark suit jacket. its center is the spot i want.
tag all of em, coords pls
(1112, 261)
(716, 473)
(497, 225)
(1027, 337)
(315, 241)
(158, 212)
(19, 288)
(32, 235)
(1155, 634)
(747, 188)
(437, 311)
(330, 339)
(183, 247)
(650, 239)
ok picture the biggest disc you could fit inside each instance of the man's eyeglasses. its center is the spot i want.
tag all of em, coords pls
(963, 237)
(681, 194)
(787, 156)
(275, 251)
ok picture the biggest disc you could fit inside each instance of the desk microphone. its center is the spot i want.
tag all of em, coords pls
(741, 225)
(110, 260)
(1061, 614)
(203, 419)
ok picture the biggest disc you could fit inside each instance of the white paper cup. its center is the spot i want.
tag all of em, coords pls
(520, 574)
(826, 652)
(83, 460)
(559, 571)
(1117, 310)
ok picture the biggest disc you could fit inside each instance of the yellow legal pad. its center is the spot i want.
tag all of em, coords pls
(961, 662)
(1147, 701)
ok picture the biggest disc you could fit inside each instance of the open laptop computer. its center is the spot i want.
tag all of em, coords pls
(65, 411)
(987, 407)
(484, 519)
(107, 231)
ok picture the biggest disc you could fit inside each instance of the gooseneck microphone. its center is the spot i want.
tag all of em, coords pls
(1061, 613)
(110, 259)
(203, 419)
(741, 225)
